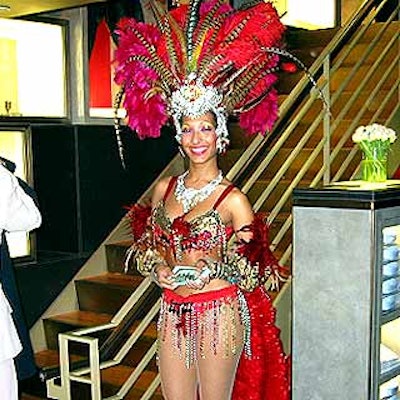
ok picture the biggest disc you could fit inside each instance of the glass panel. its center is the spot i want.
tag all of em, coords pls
(14, 146)
(391, 269)
(390, 330)
(32, 69)
(390, 360)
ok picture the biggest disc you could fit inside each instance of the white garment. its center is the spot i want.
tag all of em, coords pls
(8, 380)
(18, 211)
(10, 345)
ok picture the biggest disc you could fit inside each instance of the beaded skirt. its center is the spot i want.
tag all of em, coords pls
(205, 322)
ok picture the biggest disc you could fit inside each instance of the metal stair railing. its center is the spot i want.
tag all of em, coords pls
(89, 373)
(264, 151)
(248, 169)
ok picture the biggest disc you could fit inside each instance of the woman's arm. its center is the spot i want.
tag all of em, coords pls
(143, 251)
(241, 215)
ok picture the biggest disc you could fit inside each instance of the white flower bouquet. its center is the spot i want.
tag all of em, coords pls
(374, 141)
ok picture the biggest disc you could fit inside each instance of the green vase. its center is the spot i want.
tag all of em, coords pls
(374, 169)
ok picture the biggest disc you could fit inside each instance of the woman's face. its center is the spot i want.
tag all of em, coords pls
(199, 137)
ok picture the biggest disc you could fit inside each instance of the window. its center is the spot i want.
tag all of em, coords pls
(32, 69)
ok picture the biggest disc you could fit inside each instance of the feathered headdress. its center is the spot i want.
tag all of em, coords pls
(205, 56)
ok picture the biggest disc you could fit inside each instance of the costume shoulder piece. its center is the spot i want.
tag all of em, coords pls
(257, 253)
(142, 251)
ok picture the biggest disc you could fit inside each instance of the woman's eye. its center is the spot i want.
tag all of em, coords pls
(185, 130)
(207, 128)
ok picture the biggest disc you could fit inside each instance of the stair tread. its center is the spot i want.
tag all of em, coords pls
(82, 318)
(118, 375)
(114, 279)
(89, 318)
(115, 376)
(50, 358)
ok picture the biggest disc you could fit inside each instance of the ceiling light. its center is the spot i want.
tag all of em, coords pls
(4, 7)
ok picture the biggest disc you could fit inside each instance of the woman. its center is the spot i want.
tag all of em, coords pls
(211, 362)
(198, 65)
(205, 325)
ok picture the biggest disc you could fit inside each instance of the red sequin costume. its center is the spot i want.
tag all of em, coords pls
(263, 375)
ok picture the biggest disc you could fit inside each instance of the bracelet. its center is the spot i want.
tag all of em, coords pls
(235, 269)
(153, 274)
(143, 259)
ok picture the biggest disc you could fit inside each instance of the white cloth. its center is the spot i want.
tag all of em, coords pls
(10, 344)
(8, 380)
(18, 211)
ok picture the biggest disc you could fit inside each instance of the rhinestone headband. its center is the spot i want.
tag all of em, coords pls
(193, 99)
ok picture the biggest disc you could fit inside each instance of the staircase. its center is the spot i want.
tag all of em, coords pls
(99, 299)
(312, 148)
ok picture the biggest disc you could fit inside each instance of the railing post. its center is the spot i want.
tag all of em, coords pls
(327, 122)
(63, 392)
(65, 387)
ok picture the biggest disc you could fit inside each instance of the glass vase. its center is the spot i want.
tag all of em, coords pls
(374, 168)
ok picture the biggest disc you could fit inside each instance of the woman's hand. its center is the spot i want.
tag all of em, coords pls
(199, 283)
(162, 275)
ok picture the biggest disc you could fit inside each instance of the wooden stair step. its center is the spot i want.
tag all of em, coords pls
(300, 159)
(257, 189)
(358, 76)
(112, 378)
(81, 319)
(359, 50)
(71, 321)
(374, 29)
(337, 134)
(50, 358)
(105, 293)
(115, 377)
(238, 139)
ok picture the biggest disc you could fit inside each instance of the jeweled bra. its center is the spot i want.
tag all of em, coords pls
(204, 232)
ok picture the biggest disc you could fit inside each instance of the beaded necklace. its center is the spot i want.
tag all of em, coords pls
(190, 197)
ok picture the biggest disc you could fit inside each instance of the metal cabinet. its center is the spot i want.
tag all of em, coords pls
(346, 292)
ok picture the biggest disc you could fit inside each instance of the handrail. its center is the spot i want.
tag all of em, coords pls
(240, 169)
(327, 63)
(122, 321)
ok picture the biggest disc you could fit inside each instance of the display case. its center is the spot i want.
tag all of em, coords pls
(346, 292)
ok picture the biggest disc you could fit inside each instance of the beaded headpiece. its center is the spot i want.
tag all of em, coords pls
(201, 57)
